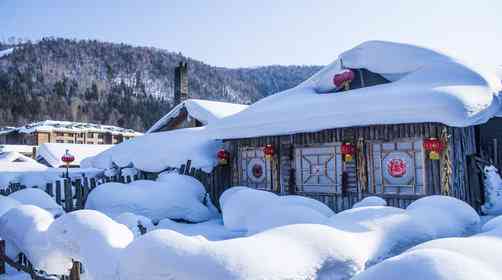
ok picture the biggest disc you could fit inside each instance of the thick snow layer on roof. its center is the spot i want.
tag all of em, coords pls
(25, 149)
(157, 151)
(205, 111)
(427, 86)
(16, 157)
(66, 126)
(6, 52)
(52, 152)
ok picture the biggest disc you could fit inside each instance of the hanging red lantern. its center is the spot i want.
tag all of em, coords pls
(67, 158)
(348, 150)
(223, 156)
(343, 79)
(268, 151)
(434, 146)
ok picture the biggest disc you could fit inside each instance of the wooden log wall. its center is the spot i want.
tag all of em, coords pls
(462, 141)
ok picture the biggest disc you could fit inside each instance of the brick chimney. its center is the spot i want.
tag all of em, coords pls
(180, 83)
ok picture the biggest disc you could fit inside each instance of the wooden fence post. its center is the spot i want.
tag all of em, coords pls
(93, 183)
(2, 253)
(79, 195)
(68, 196)
(495, 152)
(49, 190)
(75, 271)
(58, 192)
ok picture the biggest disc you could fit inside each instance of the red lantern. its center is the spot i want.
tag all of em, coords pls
(343, 79)
(67, 158)
(348, 151)
(434, 146)
(223, 156)
(268, 151)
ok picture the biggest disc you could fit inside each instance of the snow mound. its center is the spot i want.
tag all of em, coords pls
(426, 86)
(91, 238)
(38, 198)
(370, 201)
(134, 222)
(6, 203)
(178, 197)
(493, 191)
(24, 229)
(492, 224)
(290, 252)
(307, 202)
(213, 230)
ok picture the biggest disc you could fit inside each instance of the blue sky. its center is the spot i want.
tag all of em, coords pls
(260, 32)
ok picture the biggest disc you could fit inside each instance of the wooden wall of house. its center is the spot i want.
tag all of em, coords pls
(490, 140)
(461, 142)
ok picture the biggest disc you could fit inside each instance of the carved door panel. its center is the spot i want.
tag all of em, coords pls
(318, 169)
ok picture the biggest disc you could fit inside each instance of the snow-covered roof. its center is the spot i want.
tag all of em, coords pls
(6, 52)
(52, 152)
(15, 157)
(65, 126)
(26, 149)
(426, 86)
(158, 151)
(205, 111)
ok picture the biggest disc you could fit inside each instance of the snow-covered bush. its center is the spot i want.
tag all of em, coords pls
(24, 228)
(370, 201)
(475, 257)
(93, 239)
(6, 203)
(493, 191)
(134, 222)
(175, 197)
(38, 198)
(250, 210)
(289, 252)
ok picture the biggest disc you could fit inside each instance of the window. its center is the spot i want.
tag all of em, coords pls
(59, 134)
(100, 136)
(90, 134)
(80, 142)
(70, 141)
(255, 170)
(396, 167)
(59, 141)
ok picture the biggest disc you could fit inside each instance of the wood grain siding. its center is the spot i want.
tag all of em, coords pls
(462, 144)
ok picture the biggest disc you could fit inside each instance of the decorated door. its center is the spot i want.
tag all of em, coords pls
(397, 167)
(255, 171)
(319, 169)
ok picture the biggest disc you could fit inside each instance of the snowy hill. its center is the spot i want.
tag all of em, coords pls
(118, 84)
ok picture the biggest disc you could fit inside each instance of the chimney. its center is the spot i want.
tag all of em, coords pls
(180, 83)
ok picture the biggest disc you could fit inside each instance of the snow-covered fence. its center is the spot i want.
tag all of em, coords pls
(23, 264)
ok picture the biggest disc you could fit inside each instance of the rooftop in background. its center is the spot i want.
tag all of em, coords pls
(66, 126)
(203, 111)
(50, 153)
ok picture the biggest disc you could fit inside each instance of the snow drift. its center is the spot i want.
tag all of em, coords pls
(38, 198)
(174, 196)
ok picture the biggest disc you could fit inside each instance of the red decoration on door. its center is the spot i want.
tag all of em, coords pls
(257, 170)
(397, 167)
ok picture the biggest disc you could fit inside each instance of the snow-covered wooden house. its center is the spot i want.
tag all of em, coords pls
(387, 119)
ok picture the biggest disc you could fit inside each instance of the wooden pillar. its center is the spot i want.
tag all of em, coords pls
(75, 271)
(2, 254)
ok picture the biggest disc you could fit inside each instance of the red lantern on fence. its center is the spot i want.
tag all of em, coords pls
(343, 79)
(268, 151)
(223, 157)
(434, 146)
(67, 158)
(348, 151)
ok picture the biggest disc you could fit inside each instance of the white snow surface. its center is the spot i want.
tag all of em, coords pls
(158, 151)
(52, 152)
(93, 239)
(8, 157)
(493, 191)
(205, 111)
(133, 221)
(24, 229)
(6, 203)
(37, 197)
(6, 52)
(427, 86)
(370, 201)
(213, 230)
(26, 149)
(474, 257)
(175, 197)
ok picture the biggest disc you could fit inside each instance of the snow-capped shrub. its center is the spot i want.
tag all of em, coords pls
(134, 222)
(281, 214)
(239, 205)
(307, 202)
(229, 192)
(38, 198)
(24, 228)
(492, 224)
(290, 252)
(179, 197)
(6, 203)
(493, 191)
(93, 239)
(370, 201)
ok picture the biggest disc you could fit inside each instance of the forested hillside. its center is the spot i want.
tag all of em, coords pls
(118, 84)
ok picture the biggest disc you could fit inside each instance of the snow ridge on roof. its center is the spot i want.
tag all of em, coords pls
(205, 111)
(66, 126)
(426, 86)
(52, 152)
